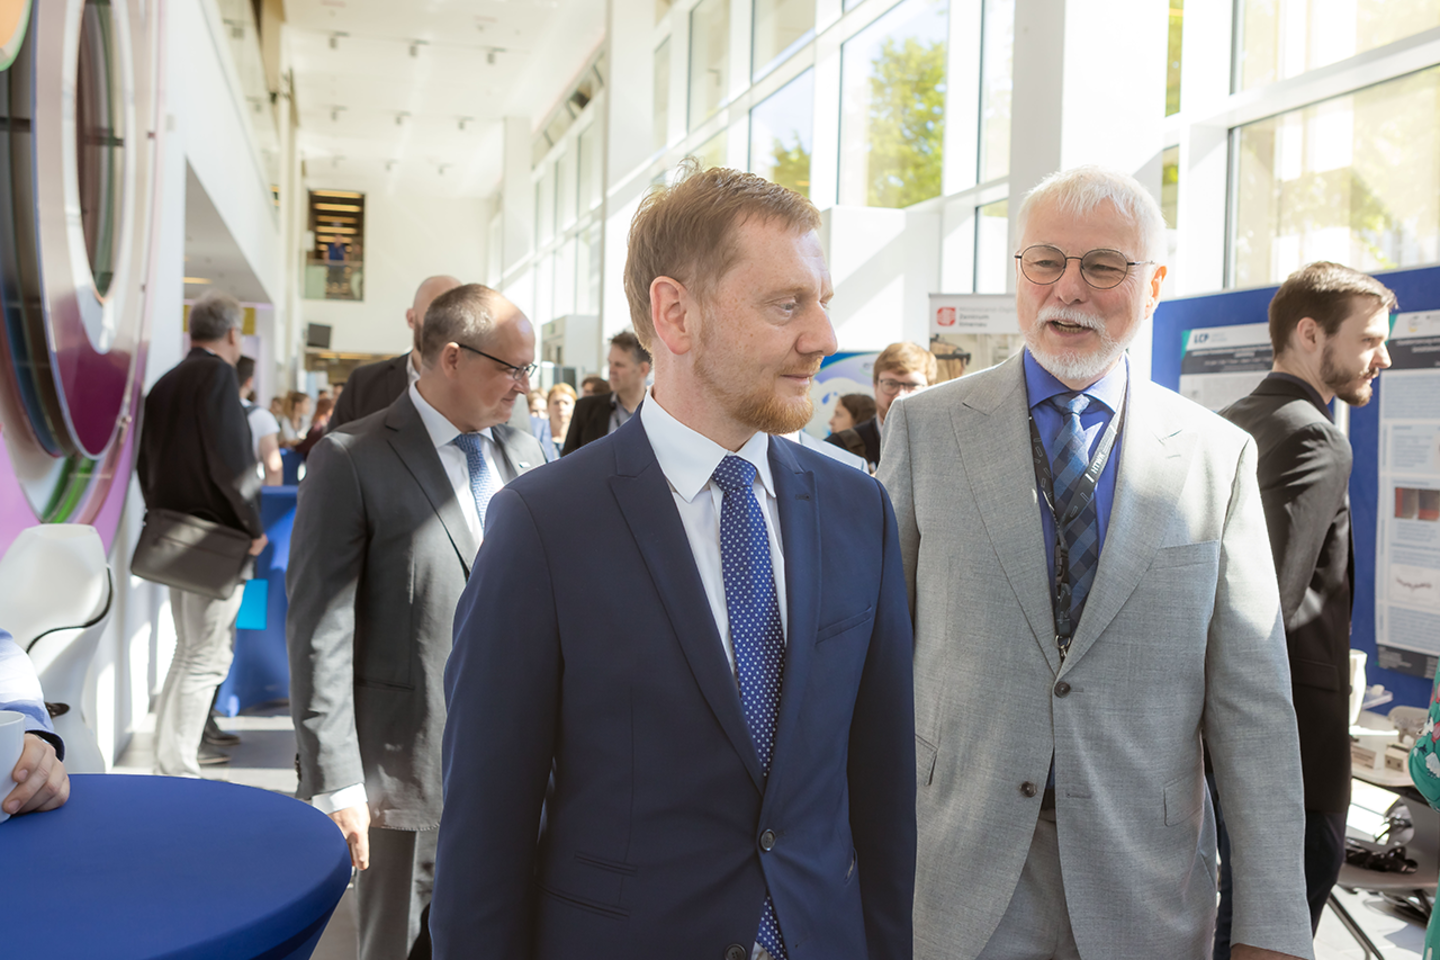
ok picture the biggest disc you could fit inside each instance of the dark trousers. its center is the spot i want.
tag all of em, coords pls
(1324, 855)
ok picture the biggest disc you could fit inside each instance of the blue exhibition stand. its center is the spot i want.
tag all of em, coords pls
(1416, 290)
(143, 868)
(260, 672)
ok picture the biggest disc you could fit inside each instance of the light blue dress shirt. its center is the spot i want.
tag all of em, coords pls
(19, 687)
(1109, 390)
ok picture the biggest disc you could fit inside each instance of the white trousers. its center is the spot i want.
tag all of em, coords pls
(204, 646)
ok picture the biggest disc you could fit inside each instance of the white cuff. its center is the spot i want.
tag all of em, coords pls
(351, 796)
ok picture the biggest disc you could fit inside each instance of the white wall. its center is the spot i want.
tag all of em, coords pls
(407, 238)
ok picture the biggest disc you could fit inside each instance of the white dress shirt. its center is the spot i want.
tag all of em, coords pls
(688, 459)
(457, 469)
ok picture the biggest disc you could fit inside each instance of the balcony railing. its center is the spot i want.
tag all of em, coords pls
(334, 279)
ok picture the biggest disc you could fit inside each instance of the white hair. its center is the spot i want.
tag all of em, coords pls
(1079, 190)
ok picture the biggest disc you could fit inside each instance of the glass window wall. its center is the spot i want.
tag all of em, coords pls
(709, 59)
(996, 73)
(587, 293)
(780, 26)
(591, 169)
(993, 257)
(566, 189)
(661, 123)
(781, 133)
(714, 152)
(892, 102)
(1280, 39)
(1355, 179)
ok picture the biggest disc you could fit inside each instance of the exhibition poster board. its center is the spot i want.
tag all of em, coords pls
(973, 330)
(1397, 634)
(1219, 365)
(1407, 592)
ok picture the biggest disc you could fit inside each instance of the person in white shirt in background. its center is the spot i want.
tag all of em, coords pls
(264, 428)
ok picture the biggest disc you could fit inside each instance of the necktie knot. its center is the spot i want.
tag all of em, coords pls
(734, 475)
(470, 443)
(1072, 404)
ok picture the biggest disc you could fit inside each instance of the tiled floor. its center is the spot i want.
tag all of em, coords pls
(266, 758)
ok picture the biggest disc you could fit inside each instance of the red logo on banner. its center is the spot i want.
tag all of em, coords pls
(945, 316)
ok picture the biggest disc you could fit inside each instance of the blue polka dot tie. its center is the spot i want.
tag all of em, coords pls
(482, 483)
(1081, 531)
(755, 630)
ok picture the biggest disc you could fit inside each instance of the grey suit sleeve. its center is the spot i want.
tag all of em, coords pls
(1250, 732)
(896, 476)
(1301, 497)
(327, 558)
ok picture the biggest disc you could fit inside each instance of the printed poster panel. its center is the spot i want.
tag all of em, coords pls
(840, 373)
(972, 331)
(1407, 549)
(1219, 365)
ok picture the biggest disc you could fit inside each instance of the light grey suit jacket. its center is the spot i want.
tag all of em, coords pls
(378, 558)
(1180, 638)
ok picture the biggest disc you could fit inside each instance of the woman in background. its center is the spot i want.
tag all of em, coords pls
(559, 405)
(851, 409)
(318, 425)
(293, 427)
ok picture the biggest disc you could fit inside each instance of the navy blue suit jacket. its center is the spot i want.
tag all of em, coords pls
(612, 675)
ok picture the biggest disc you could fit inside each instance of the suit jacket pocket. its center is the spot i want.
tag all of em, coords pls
(1206, 552)
(925, 754)
(843, 625)
(1314, 673)
(1184, 798)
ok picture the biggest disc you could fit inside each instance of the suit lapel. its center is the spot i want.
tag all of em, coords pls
(800, 539)
(411, 443)
(1149, 478)
(1003, 484)
(645, 500)
(516, 457)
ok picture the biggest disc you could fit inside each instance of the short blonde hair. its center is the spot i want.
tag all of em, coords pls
(564, 389)
(906, 357)
(687, 232)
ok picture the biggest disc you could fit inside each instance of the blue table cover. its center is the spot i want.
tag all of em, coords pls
(139, 868)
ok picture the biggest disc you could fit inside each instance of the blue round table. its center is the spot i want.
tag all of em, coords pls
(149, 867)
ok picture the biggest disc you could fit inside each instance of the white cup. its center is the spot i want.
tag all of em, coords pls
(12, 743)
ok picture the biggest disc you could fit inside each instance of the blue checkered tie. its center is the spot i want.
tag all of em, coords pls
(482, 483)
(1082, 531)
(755, 631)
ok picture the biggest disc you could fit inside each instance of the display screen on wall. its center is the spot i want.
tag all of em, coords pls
(335, 268)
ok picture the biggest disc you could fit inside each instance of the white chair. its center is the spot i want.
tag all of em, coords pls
(55, 598)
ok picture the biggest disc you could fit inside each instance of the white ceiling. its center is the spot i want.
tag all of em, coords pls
(349, 96)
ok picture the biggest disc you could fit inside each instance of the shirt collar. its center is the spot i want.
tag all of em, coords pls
(412, 373)
(689, 458)
(1041, 384)
(1310, 390)
(441, 430)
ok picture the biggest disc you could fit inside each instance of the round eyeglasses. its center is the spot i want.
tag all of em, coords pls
(1102, 269)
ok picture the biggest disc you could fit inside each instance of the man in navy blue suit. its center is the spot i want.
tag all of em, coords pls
(718, 721)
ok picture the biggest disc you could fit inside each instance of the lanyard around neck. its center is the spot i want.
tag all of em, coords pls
(1080, 499)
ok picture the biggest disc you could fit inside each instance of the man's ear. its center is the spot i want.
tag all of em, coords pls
(674, 314)
(1308, 336)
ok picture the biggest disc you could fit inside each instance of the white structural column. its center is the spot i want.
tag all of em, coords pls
(1089, 87)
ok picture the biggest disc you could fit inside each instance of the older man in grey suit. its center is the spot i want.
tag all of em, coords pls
(389, 519)
(1064, 682)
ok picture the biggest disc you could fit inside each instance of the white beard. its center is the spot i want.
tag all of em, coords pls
(1071, 365)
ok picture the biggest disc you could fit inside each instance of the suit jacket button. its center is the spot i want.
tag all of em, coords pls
(1028, 789)
(736, 952)
(767, 841)
(1062, 689)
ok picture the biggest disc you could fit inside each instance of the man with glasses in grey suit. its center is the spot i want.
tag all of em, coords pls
(1093, 595)
(389, 519)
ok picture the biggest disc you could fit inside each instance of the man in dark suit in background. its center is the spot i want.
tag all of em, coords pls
(726, 702)
(1328, 325)
(375, 386)
(389, 517)
(196, 458)
(603, 413)
(900, 370)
